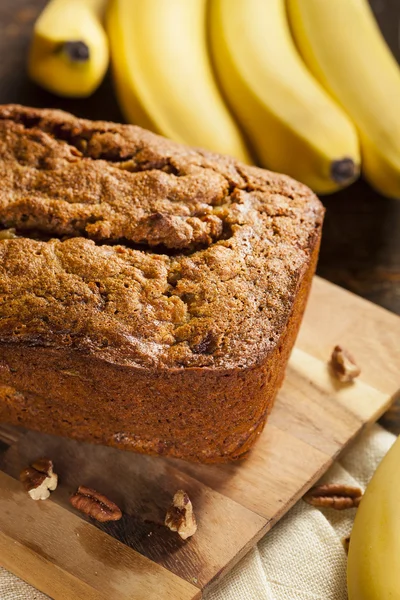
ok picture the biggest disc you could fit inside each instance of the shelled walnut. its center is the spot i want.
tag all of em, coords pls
(343, 365)
(95, 505)
(180, 516)
(334, 495)
(39, 479)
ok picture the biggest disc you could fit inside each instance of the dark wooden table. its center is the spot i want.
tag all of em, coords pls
(361, 244)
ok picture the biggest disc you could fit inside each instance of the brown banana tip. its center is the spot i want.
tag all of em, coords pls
(77, 51)
(344, 170)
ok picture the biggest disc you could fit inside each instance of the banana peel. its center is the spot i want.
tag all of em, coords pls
(373, 571)
(163, 74)
(293, 125)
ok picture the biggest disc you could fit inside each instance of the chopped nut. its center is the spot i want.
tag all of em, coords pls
(39, 479)
(8, 234)
(95, 505)
(180, 516)
(343, 365)
(334, 495)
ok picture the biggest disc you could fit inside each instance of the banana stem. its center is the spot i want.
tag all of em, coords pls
(344, 171)
(76, 51)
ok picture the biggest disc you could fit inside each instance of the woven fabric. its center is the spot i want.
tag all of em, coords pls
(301, 558)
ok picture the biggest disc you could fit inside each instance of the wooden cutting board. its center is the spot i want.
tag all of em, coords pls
(70, 557)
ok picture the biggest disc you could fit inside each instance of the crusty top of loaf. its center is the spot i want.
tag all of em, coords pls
(141, 250)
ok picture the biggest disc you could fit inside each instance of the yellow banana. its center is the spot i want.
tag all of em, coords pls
(373, 571)
(163, 75)
(341, 43)
(69, 51)
(292, 123)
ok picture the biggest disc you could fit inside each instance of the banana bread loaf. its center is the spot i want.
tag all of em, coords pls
(150, 293)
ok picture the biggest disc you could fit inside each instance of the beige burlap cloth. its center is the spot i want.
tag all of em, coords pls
(301, 558)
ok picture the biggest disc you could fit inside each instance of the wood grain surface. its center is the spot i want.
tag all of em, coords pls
(70, 559)
(68, 555)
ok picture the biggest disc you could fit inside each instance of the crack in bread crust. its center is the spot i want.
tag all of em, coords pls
(143, 251)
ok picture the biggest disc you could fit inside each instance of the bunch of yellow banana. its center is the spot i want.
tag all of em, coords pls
(292, 123)
(163, 73)
(342, 45)
(373, 571)
(227, 75)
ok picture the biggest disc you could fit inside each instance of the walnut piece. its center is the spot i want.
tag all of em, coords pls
(180, 516)
(39, 479)
(8, 234)
(343, 365)
(95, 505)
(334, 495)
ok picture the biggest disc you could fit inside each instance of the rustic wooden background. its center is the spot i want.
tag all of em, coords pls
(361, 244)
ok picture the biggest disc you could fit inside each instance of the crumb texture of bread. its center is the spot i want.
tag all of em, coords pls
(153, 292)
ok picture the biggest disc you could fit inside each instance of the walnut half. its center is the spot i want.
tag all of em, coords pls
(180, 516)
(339, 496)
(95, 505)
(39, 479)
(343, 365)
